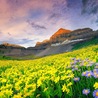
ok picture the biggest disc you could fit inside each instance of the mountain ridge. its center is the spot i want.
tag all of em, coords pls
(61, 41)
(6, 44)
(64, 34)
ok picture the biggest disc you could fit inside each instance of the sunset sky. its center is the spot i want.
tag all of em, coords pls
(26, 22)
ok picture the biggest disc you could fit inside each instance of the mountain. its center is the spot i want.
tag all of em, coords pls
(6, 45)
(42, 45)
(59, 36)
(55, 38)
(61, 41)
(63, 34)
(65, 41)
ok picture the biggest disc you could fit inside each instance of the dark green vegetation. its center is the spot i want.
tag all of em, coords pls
(80, 45)
(5, 58)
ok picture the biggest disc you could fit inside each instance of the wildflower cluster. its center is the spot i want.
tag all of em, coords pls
(85, 71)
(69, 75)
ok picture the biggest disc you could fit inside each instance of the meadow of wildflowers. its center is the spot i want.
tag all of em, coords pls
(68, 75)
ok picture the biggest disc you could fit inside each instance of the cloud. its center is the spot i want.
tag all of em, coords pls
(95, 20)
(85, 2)
(25, 40)
(20, 10)
(37, 26)
(44, 17)
(55, 15)
(0, 32)
(9, 34)
(90, 9)
(90, 6)
(41, 15)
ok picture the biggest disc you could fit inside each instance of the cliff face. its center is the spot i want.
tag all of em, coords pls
(70, 35)
(59, 36)
(17, 50)
(10, 49)
(80, 34)
(55, 38)
(42, 45)
(63, 34)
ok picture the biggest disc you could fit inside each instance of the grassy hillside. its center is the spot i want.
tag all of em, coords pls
(93, 41)
(28, 57)
(5, 57)
(69, 75)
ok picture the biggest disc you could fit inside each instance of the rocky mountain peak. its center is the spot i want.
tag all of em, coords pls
(59, 35)
(43, 42)
(61, 31)
(61, 41)
(65, 34)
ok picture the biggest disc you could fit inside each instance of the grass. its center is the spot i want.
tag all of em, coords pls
(52, 76)
(5, 57)
(28, 57)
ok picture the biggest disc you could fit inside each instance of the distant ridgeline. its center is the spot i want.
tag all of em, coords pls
(5, 45)
(61, 41)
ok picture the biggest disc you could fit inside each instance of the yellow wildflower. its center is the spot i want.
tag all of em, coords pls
(65, 89)
(96, 85)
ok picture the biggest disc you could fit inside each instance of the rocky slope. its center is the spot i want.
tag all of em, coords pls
(8, 49)
(63, 34)
(61, 41)
(59, 36)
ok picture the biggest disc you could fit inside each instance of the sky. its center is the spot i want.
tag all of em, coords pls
(26, 22)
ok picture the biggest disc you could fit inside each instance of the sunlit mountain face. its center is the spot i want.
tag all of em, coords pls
(26, 22)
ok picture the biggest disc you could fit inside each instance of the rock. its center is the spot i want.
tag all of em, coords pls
(59, 36)
(55, 38)
(42, 45)
(8, 45)
(63, 34)
(48, 47)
